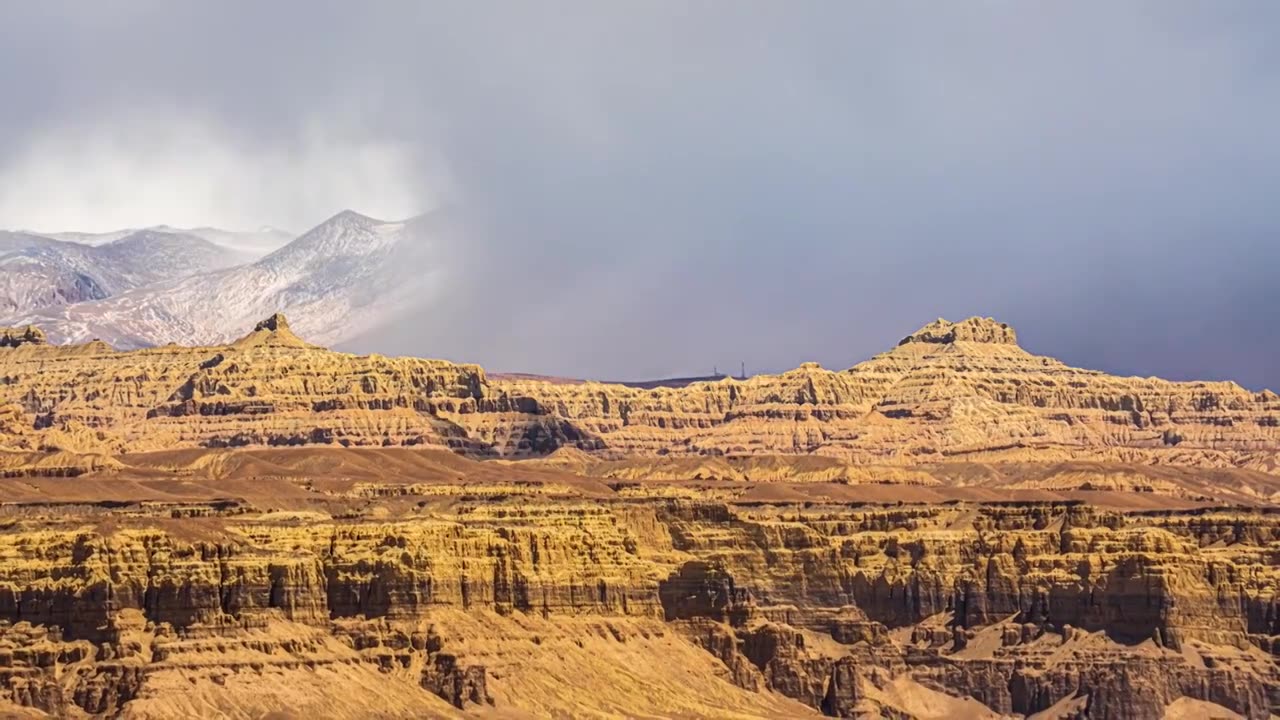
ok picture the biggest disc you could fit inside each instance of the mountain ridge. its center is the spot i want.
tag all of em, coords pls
(257, 241)
(41, 272)
(348, 272)
(917, 403)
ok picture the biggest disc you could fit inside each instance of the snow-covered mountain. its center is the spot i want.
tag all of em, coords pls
(39, 272)
(345, 275)
(251, 244)
(86, 238)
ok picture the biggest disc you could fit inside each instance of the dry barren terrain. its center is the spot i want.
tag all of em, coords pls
(956, 528)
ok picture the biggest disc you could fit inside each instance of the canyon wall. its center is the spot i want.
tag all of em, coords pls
(991, 608)
(954, 528)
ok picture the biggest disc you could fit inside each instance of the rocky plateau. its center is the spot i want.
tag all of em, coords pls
(955, 528)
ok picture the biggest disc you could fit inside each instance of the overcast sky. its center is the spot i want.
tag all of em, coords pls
(653, 188)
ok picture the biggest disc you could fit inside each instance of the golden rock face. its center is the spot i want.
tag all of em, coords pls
(209, 583)
(269, 388)
(950, 391)
(954, 528)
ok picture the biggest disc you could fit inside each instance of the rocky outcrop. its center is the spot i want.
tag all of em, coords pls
(29, 335)
(276, 323)
(268, 389)
(978, 330)
(949, 392)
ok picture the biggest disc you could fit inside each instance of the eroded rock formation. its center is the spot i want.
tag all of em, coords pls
(982, 609)
(949, 392)
(29, 335)
(954, 528)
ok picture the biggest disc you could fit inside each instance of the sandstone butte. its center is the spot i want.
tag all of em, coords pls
(955, 528)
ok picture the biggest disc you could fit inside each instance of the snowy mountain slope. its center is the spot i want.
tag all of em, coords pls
(86, 238)
(250, 244)
(150, 256)
(344, 275)
(38, 272)
(42, 276)
(20, 240)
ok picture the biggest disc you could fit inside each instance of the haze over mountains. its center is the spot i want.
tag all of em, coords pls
(253, 243)
(205, 285)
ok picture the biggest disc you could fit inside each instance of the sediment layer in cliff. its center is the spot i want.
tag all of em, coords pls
(948, 392)
(429, 585)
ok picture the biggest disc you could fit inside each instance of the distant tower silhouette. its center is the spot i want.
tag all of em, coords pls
(715, 371)
(743, 373)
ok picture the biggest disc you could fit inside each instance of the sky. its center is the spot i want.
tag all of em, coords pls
(655, 188)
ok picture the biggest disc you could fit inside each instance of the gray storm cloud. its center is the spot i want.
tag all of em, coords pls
(654, 188)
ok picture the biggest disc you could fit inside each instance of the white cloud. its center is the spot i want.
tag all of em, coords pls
(168, 167)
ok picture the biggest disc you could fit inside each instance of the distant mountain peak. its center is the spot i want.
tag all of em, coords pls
(353, 216)
(346, 274)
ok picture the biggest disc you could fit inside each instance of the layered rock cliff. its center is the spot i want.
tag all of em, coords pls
(268, 388)
(947, 392)
(954, 528)
(548, 604)
(951, 391)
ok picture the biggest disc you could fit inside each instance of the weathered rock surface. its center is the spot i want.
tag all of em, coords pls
(29, 335)
(963, 391)
(954, 528)
(949, 392)
(474, 585)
